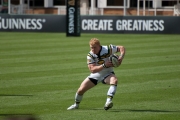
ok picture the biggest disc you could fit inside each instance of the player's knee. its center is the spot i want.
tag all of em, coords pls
(114, 81)
(80, 91)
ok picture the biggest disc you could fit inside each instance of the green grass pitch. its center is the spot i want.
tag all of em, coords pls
(40, 73)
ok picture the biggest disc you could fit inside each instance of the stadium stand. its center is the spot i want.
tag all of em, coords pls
(19, 9)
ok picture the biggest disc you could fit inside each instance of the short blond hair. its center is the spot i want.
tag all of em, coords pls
(94, 41)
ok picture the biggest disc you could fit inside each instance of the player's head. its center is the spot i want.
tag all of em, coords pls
(94, 41)
(95, 45)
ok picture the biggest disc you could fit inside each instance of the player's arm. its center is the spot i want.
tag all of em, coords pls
(122, 51)
(93, 68)
(96, 68)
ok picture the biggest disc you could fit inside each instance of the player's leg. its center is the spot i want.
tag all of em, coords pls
(85, 85)
(112, 81)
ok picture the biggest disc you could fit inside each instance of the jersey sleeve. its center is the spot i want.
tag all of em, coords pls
(114, 48)
(90, 59)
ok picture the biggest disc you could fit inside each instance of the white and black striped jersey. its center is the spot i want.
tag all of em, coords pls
(99, 59)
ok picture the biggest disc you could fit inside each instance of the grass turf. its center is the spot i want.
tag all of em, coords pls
(40, 73)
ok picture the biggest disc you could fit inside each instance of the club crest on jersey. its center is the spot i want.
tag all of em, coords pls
(100, 62)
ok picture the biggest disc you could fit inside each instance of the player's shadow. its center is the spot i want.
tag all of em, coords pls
(144, 110)
(1, 95)
(15, 114)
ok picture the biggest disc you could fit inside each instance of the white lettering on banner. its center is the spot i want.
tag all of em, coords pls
(97, 24)
(71, 20)
(21, 23)
(140, 25)
(123, 25)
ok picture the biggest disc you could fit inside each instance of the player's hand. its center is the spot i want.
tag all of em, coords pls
(120, 58)
(108, 64)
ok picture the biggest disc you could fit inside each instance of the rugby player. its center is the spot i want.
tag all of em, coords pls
(101, 71)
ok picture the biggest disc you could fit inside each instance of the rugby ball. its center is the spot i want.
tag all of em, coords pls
(114, 60)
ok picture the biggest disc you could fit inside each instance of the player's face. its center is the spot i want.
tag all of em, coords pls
(95, 48)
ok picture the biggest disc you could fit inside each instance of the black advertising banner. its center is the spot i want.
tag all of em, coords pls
(73, 22)
(91, 24)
